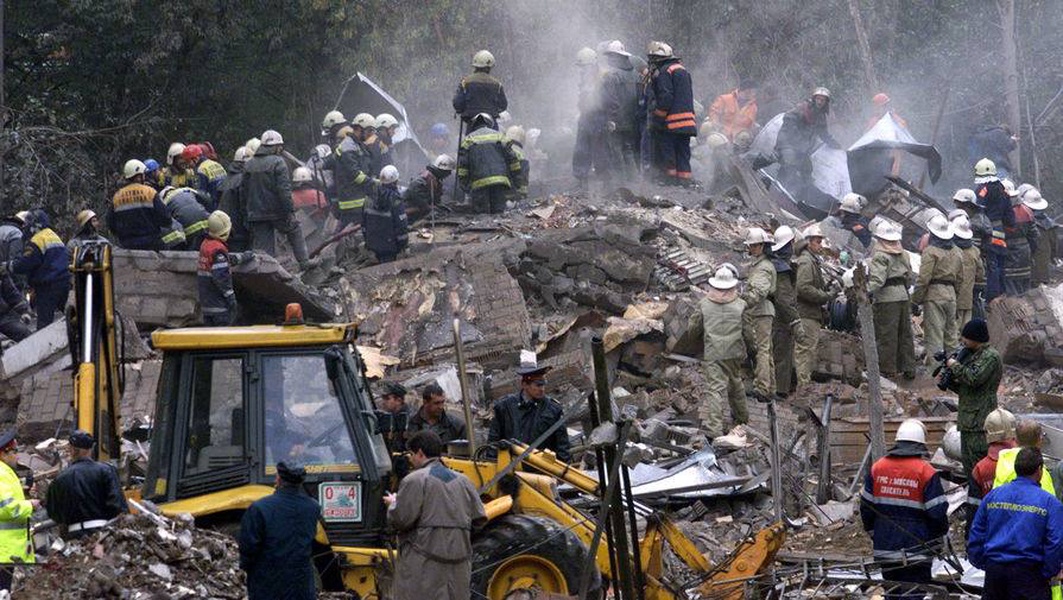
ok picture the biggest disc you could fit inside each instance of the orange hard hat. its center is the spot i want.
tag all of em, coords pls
(880, 99)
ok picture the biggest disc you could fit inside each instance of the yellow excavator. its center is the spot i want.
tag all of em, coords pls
(233, 401)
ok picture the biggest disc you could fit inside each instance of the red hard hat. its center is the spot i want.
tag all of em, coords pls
(880, 99)
(191, 153)
(208, 150)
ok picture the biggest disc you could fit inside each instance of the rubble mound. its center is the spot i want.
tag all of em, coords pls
(140, 557)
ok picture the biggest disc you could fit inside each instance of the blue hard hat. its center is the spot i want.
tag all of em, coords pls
(440, 130)
(151, 165)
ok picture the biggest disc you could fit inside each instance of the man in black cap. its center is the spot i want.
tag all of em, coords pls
(975, 375)
(15, 512)
(87, 494)
(527, 415)
(393, 416)
(276, 540)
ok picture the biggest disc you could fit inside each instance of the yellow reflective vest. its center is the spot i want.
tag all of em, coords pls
(15, 513)
(1006, 471)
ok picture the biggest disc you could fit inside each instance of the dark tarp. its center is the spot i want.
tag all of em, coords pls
(870, 158)
(360, 95)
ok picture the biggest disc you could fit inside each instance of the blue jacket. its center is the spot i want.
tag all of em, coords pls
(905, 506)
(384, 222)
(674, 94)
(137, 217)
(1018, 522)
(45, 260)
(276, 541)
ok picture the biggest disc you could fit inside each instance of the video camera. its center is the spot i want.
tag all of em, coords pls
(944, 382)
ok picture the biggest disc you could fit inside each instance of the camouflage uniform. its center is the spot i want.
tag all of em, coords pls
(888, 279)
(757, 322)
(812, 294)
(975, 381)
(719, 321)
(935, 290)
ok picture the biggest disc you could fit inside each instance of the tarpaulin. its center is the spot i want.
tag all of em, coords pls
(830, 170)
(362, 94)
(870, 158)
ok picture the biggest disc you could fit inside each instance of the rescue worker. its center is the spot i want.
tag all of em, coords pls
(996, 143)
(152, 173)
(371, 141)
(426, 191)
(16, 545)
(1045, 247)
(803, 129)
(439, 140)
(852, 220)
(331, 125)
(515, 141)
(889, 275)
(434, 513)
(233, 203)
(972, 271)
(45, 264)
(175, 173)
(276, 540)
(352, 163)
(88, 231)
(589, 152)
(974, 377)
(209, 175)
(935, 289)
(735, 111)
(217, 299)
(1000, 435)
(268, 192)
(964, 199)
(386, 126)
(673, 120)
(718, 323)
(15, 316)
(786, 326)
(137, 214)
(881, 105)
(87, 494)
(486, 166)
(1028, 434)
(1022, 239)
(812, 296)
(384, 218)
(904, 508)
(185, 206)
(1017, 535)
(997, 205)
(394, 416)
(528, 414)
(620, 105)
(432, 416)
(11, 237)
(759, 316)
(480, 92)
(305, 195)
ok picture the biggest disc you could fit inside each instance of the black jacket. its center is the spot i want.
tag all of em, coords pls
(524, 420)
(267, 188)
(11, 299)
(479, 93)
(276, 543)
(449, 427)
(85, 491)
(384, 222)
(621, 92)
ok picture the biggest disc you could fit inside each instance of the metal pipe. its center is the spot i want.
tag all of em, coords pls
(776, 462)
(636, 551)
(599, 460)
(459, 349)
(87, 319)
(823, 488)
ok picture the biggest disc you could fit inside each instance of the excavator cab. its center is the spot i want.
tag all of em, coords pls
(233, 402)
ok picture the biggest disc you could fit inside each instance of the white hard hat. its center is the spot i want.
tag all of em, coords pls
(821, 91)
(385, 120)
(302, 175)
(219, 225)
(443, 162)
(724, 279)
(271, 138)
(658, 50)
(890, 232)
(333, 118)
(483, 59)
(950, 443)
(242, 154)
(616, 47)
(252, 145)
(961, 226)
(85, 216)
(783, 235)
(504, 117)
(911, 430)
(715, 139)
(175, 150)
(364, 120)
(586, 57)
(999, 425)
(389, 174)
(322, 150)
(1032, 199)
(939, 227)
(852, 203)
(965, 196)
(133, 168)
(813, 230)
(1009, 187)
(515, 133)
(756, 235)
(985, 168)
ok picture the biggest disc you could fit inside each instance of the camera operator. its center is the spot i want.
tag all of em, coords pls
(974, 378)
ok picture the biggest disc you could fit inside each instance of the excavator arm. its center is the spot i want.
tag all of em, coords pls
(92, 331)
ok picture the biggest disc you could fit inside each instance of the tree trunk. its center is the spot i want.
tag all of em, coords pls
(1011, 75)
(865, 48)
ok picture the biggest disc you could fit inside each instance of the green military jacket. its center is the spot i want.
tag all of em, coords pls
(975, 381)
(721, 327)
(889, 275)
(972, 273)
(939, 273)
(811, 288)
(760, 287)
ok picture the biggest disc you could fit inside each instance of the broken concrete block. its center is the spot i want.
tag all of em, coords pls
(44, 352)
(833, 512)
(1026, 329)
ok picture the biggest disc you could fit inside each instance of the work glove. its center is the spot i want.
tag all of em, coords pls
(610, 125)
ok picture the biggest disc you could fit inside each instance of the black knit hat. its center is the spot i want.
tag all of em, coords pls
(976, 330)
(291, 472)
(82, 439)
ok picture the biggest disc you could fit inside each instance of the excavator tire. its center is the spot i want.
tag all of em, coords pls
(523, 552)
